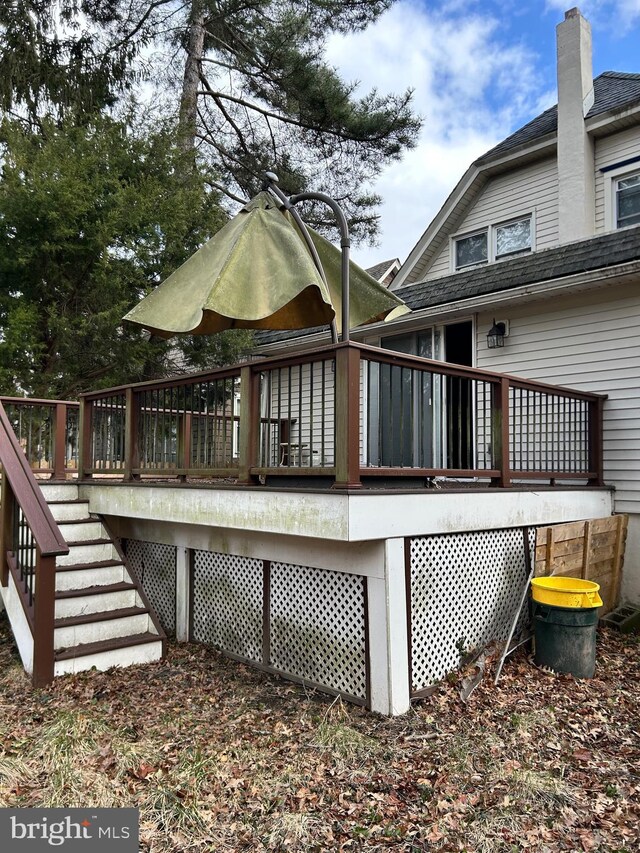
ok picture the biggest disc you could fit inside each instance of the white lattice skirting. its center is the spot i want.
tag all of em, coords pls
(297, 620)
(155, 566)
(465, 589)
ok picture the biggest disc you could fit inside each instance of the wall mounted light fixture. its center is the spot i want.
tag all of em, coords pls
(497, 333)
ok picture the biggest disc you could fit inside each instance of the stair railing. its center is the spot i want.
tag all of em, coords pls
(30, 541)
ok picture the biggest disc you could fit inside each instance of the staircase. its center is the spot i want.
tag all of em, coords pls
(102, 616)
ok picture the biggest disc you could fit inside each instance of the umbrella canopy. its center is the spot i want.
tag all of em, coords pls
(257, 273)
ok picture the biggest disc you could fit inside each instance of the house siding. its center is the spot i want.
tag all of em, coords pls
(533, 189)
(304, 395)
(610, 150)
(590, 342)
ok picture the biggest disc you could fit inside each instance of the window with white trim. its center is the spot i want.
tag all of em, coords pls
(494, 243)
(513, 238)
(627, 200)
(471, 250)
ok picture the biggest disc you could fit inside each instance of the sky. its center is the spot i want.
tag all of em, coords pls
(479, 71)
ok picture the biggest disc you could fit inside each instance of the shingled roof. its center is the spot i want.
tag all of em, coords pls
(380, 269)
(613, 91)
(606, 250)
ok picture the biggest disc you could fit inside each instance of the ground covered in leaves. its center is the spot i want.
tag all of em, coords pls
(220, 757)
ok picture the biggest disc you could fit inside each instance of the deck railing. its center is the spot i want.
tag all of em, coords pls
(30, 541)
(346, 412)
(47, 431)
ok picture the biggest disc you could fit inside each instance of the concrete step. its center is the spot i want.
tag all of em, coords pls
(82, 530)
(124, 651)
(59, 491)
(98, 573)
(97, 599)
(90, 551)
(102, 625)
(69, 510)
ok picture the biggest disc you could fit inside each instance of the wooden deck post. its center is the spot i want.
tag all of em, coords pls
(44, 615)
(60, 442)
(249, 424)
(500, 431)
(347, 418)
(84, 439)
(131, 447)
(184, 444)
(7, 509)
(596, 420)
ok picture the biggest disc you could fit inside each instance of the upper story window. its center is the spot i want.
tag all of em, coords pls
(627, 190)
(513, 238)
(471, 250)
(493, 243)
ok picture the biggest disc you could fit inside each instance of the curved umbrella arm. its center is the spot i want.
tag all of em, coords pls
(271, 180)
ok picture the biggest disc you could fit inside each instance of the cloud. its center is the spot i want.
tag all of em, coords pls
(471, 87)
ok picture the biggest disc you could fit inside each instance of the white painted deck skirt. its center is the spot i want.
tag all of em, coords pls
(356, 517)
(360, 533)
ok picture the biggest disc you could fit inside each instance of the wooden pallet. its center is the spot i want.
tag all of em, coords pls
(593, 550)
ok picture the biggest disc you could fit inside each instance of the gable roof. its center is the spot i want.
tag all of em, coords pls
(379, 271)
(614, 93)
(612, 90)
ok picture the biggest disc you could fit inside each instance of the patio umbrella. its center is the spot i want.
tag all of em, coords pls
(257, 273)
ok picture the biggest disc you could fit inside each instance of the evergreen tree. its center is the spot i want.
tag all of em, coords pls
(96, 209)
(90, 218)
(64, 56)
(248, 85)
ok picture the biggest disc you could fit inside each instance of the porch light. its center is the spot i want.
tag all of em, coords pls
(496, 335)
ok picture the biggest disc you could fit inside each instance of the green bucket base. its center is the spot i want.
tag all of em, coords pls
(565, 638)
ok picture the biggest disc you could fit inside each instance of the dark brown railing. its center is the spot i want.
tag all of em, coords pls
(30, 541)
(347, 412)
(47, 431)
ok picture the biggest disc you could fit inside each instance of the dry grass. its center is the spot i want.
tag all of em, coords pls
(219, 757)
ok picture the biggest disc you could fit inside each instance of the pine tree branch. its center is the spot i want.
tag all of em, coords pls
(134, 32)
(216, 186)
(285, 119)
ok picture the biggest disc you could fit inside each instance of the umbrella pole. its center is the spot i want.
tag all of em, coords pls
(345, 242)
(345, 245)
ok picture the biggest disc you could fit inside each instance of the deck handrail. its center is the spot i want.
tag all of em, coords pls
(28, 493)
(302, 357)
(516, 411)
(30, 541)
(58, 432)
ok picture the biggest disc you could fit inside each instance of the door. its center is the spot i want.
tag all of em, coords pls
(459, 409)
(423, 420)
(404, 433)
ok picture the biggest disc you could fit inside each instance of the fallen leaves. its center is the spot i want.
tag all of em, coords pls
(221, 757)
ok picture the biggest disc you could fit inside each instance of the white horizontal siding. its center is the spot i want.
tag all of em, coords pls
(303, 395)
(532, 189)
(589, 342)
(610, 150)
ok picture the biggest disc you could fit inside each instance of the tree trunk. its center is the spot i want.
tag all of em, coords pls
(193, 65)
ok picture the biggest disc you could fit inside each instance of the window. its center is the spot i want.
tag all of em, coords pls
(471, 250)
(493, 243)
(513, 238)
(627, 192)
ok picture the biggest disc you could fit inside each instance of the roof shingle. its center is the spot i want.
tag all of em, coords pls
(596, 253)
(599, 252)
(613, 90)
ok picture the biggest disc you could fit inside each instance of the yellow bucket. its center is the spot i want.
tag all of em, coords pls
(565, 592)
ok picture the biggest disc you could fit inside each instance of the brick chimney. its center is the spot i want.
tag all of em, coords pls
(576, 168)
